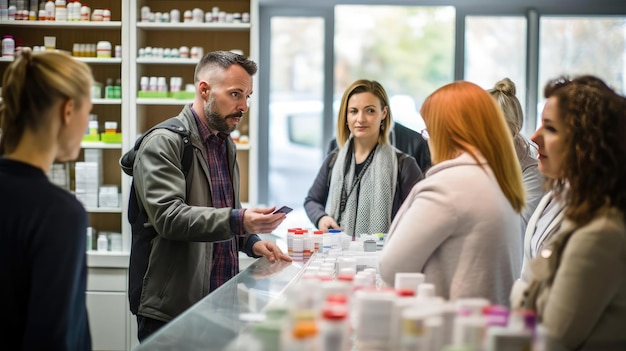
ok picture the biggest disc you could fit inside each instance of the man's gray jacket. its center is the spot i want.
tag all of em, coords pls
(179, 268)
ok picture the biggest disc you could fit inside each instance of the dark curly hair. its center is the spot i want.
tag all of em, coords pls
(595, 172)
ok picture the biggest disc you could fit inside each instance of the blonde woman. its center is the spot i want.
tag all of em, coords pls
(504, 93)
(576, 280)
(361, 185)
(44, 115)
(460, 225)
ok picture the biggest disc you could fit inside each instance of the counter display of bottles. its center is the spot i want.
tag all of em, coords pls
(334, 301)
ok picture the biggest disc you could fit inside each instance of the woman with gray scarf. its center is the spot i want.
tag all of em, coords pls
(362, 183)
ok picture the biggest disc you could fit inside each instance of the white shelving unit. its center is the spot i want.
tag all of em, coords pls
(146, 112)
(63, 25)
(162, 101)
(31, 34)
(194, 26)
(109, 316)
(166, 61)
(106, 101)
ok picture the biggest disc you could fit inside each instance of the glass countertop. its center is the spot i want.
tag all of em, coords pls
(217, 320)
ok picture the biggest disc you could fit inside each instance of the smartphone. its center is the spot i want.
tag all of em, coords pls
(284, 209)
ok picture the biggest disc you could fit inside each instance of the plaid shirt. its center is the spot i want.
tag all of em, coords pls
(225, 264)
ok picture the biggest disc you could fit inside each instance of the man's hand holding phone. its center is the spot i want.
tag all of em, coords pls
(284, 209)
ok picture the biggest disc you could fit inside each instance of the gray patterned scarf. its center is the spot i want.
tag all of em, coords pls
(368, 198)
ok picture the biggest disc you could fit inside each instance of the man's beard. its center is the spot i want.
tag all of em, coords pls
(215, 120)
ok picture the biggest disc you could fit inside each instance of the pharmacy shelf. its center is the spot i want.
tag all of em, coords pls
(93, 60)
(104, 61)
(99, 145)
(103, 209)
(162, 101)
(167, 61)
(218, 26)
(106, 101)
(60, 24)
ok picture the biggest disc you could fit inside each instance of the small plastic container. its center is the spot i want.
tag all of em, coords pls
(290, 233)
(92, 128)
(335, 238)
(60, 11)
(317, 239)
(110, 127)
(97, 15)
(50, 8)
(89, 238)
(103, 243)
(408, 281)
(109, 90)
(298, 244)
(145, 13)
(183, 51)
(8, 46)
(187, 16)
(197, 15)
(103, 49)
(144, 82)
(335, 328)
(85, 13)
(106, 15)
(174, 16)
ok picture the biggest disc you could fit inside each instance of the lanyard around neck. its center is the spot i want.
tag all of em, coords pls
(346, 194)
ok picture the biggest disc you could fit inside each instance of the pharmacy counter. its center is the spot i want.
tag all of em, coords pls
(107, 302)
(215, 321)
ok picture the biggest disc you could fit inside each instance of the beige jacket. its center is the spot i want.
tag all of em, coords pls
(457, 227)
(584, 306)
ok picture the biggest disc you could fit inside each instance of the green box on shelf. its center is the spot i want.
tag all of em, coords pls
(91, 137)
(152, 94)
(114, 138)
(182, 95)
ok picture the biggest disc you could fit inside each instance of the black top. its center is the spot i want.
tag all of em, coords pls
(43, 268)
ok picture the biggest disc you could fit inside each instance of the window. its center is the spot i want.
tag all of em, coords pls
(295, 112)
(495, 48)
(582, 45)
(408, 49)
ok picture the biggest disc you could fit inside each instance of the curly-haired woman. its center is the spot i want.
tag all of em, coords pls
(577, 281)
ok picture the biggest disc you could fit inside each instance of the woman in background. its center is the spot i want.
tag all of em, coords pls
(577, 280)
(44, 114)
(504, 93)
(460, 225)
(361, 185)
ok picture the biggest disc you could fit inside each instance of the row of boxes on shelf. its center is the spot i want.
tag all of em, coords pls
(57, 10)
(103, 49)
(87, 185)
(195, 52)
(156, 87)
(196, 15)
